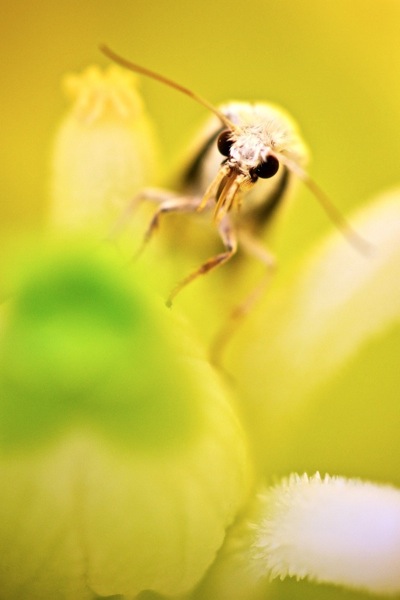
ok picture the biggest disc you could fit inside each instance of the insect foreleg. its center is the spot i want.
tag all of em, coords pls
(169, 204)
(253, 247)
(157, 195)
(228, 237)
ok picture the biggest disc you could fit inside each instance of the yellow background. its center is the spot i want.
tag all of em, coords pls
(332, 64)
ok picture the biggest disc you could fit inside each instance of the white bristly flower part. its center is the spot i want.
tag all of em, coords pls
(330, 530)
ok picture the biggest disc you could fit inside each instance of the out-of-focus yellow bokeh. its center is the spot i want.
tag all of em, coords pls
(333, 65)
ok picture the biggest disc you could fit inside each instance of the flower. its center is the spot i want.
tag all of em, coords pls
(104, 152)
(319, 388)
(121, 458)
(331, 530)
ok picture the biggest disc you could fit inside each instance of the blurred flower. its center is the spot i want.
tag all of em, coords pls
(319, 387)
(104, 152)
(122, 460)
(335, 530)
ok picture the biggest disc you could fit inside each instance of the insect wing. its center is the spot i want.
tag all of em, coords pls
(202, 160)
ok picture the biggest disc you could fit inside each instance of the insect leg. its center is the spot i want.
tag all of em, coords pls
(157, 195)
(168, 204)
(253, 247)
(228, 237)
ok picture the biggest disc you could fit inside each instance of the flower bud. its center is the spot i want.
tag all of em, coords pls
(104, 151)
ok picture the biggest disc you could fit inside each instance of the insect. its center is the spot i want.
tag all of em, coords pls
(241, 174)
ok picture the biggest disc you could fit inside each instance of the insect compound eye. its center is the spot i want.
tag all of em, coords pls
(268, 168)
(224, 142)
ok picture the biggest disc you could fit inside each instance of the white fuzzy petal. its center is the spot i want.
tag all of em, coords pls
(331, 530)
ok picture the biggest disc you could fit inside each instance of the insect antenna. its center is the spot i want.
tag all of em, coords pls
(358, 242)
(123, 62)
